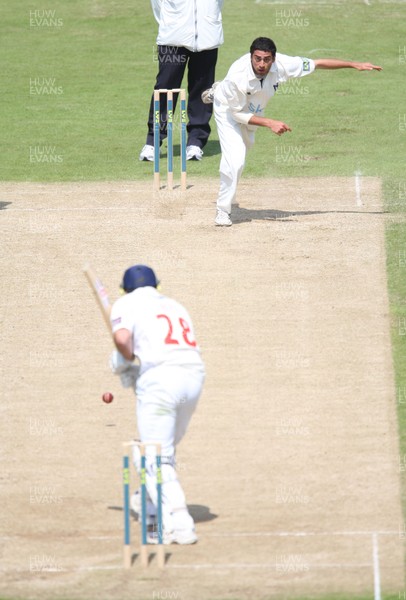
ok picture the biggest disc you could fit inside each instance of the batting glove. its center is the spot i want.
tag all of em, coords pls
(119, 364)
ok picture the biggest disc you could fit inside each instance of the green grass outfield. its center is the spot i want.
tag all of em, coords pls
(76, 79)
(98, 62)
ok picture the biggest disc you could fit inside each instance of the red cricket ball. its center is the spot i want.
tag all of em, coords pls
(107, 397)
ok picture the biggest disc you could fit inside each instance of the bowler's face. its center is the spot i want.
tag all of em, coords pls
(261, 62)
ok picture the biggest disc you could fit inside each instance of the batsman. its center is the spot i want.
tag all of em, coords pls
(168, 380)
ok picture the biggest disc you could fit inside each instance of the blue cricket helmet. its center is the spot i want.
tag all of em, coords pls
(138, 276)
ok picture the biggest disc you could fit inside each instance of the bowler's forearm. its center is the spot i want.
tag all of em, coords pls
(335, 63)
(277, 127)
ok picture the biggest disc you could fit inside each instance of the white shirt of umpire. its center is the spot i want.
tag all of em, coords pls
(239, 96)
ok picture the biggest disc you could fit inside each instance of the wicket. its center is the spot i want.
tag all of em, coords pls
(169, 121)
(143, 516)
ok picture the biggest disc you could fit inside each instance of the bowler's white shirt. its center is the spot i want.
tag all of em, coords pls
(242, 92)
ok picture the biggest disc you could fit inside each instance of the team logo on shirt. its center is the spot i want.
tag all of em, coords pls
(116, 321)
(254, 109)
(306, 64)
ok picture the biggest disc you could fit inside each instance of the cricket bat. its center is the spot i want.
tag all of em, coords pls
(100, 293)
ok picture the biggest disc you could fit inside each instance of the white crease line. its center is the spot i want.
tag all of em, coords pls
(76, 209)
(140, 208)
(104, 537)
(238, 534)
(278, 567)
(60, 570)
(300, 533)
(377, 574)
(70, 188)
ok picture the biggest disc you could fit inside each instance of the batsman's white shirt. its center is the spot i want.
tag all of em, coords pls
(168, 388)
(162, 329)
(239, 96)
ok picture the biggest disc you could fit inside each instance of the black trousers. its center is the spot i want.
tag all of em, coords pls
(201, 70)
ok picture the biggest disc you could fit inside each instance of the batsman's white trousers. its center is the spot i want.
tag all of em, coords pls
(166, 400)
(235, 139)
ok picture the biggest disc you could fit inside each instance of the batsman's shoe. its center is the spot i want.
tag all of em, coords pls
(182, 537)
(147, 153)
(194, 153)
(136, 507)
(208, 95)
(223, 218)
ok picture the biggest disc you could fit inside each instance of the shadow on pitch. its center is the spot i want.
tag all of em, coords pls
(244, 215)
(199, 512)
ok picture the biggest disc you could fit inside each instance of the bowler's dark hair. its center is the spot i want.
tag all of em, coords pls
(264, 44)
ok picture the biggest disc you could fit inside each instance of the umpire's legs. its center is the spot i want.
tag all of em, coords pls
(201, 72)
(172, 64)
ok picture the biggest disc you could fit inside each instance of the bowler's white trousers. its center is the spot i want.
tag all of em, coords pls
(235, 139)
(166, 399)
